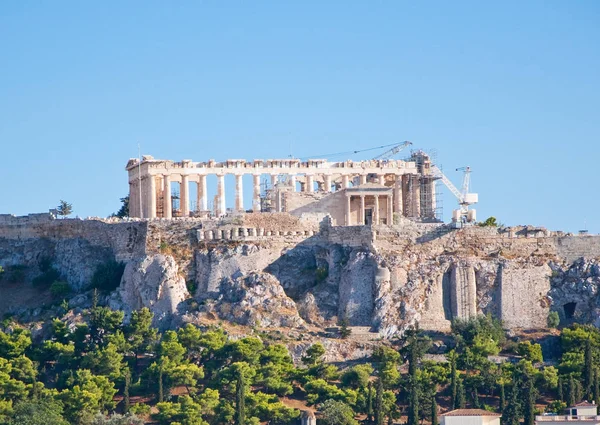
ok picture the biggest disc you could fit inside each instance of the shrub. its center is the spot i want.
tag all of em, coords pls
(321, 274)
(59, 289)
(553, 319)
(107, 276)
(140, 409)
(192, 286)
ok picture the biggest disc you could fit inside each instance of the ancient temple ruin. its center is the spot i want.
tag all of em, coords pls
(350, 192)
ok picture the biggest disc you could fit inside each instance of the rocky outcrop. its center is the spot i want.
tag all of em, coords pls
(257, 299)
(153, 282)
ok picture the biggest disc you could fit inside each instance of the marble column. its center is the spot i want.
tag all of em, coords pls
(381, 179)
(185, 196)
(310, 183)
(345, 181)
(398, 195)
(327, 179)
(256, 193)
(376, 210)
(202, 195)
(167, 211)
(363, 178)
(239, 193)
(361, 219)
(390, 211)
(293, 182)
(150, 197)
(348, 204)
(221, 208)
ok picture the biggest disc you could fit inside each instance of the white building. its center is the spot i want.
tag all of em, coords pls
(470, 417)
(582, 413)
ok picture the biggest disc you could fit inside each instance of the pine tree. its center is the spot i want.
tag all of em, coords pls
(434, 413)
(379, 403)
(127, 376)
(345, 331)
(588, 369)
(240, 400)
(370, 403)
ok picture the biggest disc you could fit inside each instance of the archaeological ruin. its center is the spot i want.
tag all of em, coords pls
(351, 193)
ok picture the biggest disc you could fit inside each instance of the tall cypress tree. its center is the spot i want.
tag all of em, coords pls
(529, 399)
(596, 388)
(126, 390)
(434, 412)
(588, 369)
(379, 402)
(453, 380)
(240, 399)
(512, 411)
(561, 389)
(161, 396)
(370, 403)
(413, 401)
(502, 398)
(571, 396)
(461, 395)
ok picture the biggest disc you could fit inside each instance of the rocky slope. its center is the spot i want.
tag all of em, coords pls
(308, 276)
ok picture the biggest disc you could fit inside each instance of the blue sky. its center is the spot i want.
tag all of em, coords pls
(510, 88)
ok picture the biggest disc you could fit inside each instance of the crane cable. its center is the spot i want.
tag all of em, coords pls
(348, 152)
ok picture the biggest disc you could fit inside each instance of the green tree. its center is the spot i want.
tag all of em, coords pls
(531, 352)
(370, 402)
(529, 405)
(64, 209)
(345, 331)
(141, 335)
(38, 412)
(588, 369)
(434, 412)
(357, 376)
(337, 413)
(453, 380)
(314, 355)
(386, 360)
(124, 209)
(379, 414)
(553, 319)
(240, 399)
(126, 400)
(461, 399)
(489, 222)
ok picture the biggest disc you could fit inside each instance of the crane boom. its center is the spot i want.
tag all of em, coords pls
(393, 151)
(438, 173)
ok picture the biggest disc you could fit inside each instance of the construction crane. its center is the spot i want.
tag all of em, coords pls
(391, 152)
(462, 215)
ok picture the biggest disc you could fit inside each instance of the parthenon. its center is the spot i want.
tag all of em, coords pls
(351, 192)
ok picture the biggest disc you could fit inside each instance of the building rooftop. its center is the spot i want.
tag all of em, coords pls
(471, 412)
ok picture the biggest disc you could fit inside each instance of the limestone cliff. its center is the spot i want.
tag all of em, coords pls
(294, 274)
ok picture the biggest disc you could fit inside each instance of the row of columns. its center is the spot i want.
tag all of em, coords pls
(403, 188)
(362, 210)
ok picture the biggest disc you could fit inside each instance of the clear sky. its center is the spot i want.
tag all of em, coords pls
(510, 88)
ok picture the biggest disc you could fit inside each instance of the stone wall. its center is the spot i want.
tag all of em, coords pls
(524, 295)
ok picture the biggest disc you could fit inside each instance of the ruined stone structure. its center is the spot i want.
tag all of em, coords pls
(351, 193)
